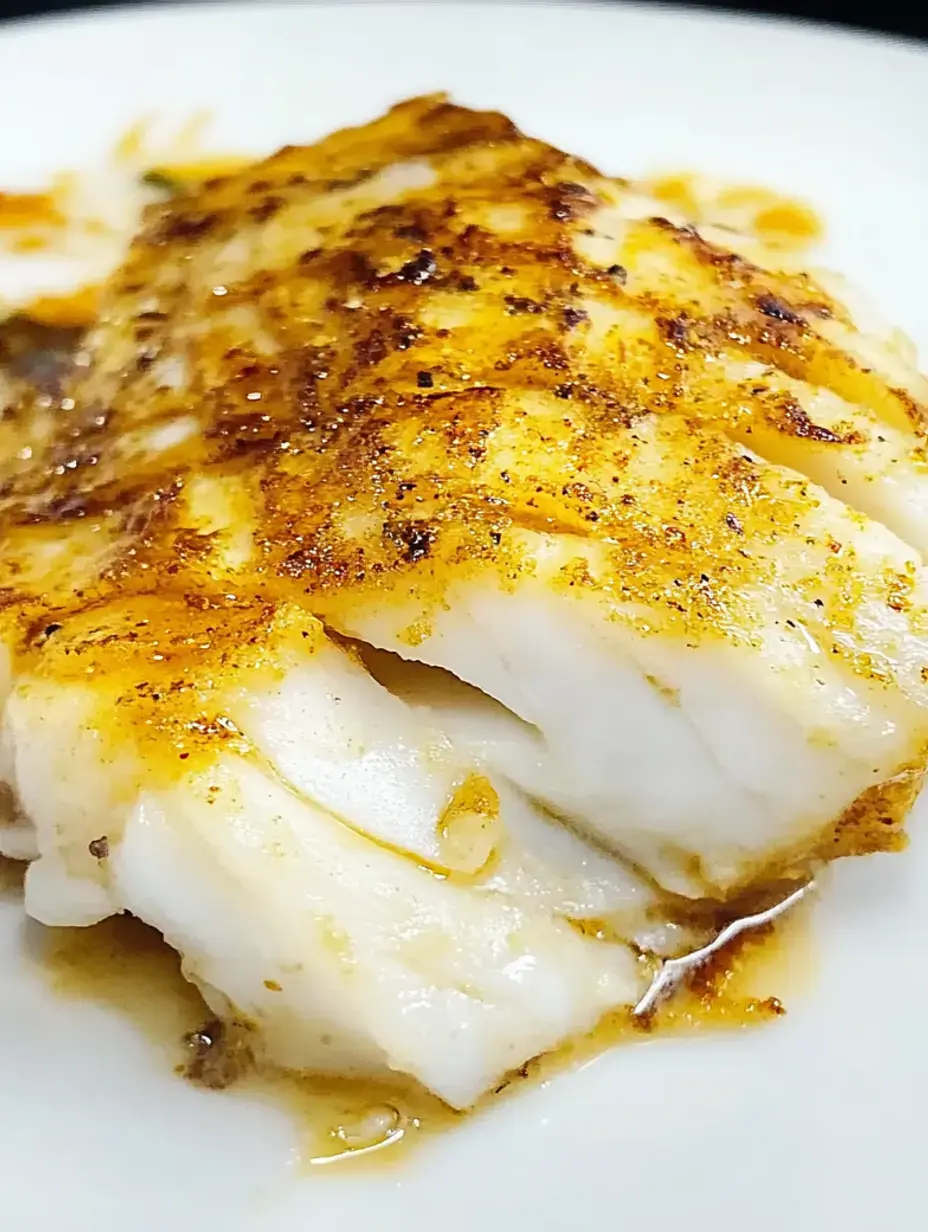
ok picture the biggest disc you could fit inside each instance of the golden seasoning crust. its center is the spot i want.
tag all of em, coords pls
(165, 665)
(874, 821)
(375, 365)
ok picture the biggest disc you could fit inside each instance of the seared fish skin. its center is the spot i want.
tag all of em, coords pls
(463, 399)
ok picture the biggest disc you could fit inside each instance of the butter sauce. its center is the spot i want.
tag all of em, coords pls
(125, 966)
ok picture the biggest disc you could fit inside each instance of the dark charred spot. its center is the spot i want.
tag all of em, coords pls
(349, 181)
(385, 213)
(411, 231)
(794, 420)
(188, 226)
(63, 508)
(296, 564)
(819, 309)
(39, 633)
(309, 368)
(41, 355)
(358, 268)
(574, 316)
(99, 848)
(372, 349)
(773, 307)
(419, 270)
(564, 391)
(619, 273)
(516, 305)
(664, 224)
(550, 355)
(913, 409)
(405, 332)
(674, 329)
(266, 209)
(567, 201)
(217, 1055)
(424, 380)
(734, 524)
(309, 256)
(414, 539)
(466, 283)
(251, 432)
(247, 372)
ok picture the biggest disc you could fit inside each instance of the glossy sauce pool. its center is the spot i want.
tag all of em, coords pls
(126, 967)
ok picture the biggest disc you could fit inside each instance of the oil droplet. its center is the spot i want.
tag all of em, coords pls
(773, 218)
(19, 210)
(470, 829)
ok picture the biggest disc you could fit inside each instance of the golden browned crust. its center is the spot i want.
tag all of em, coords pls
(875, 820)
(387, 382)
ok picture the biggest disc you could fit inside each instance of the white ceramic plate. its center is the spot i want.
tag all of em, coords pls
(814, 1122)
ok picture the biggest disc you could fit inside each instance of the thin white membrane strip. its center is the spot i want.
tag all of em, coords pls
(675, 970)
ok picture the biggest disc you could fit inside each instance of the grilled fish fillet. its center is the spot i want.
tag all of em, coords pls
(438, 546)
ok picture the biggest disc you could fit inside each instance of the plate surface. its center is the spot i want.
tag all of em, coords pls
(814, 1122)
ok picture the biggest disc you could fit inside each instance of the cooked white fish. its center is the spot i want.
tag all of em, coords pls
(342, 877)
(438, 548)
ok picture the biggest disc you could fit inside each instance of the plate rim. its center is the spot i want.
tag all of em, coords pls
(131, 12)
(122, 22)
